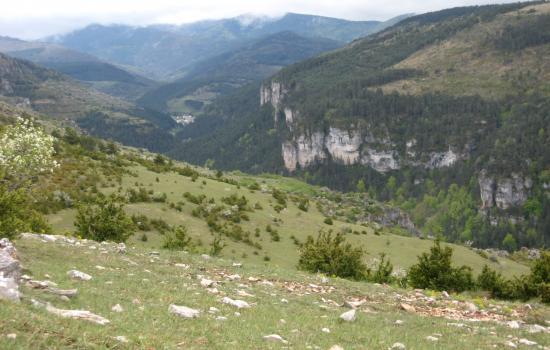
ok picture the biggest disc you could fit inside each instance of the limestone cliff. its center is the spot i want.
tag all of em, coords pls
(505, 192)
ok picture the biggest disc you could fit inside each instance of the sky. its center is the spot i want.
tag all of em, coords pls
(33, 19)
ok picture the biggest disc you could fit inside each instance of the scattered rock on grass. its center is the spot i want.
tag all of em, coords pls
(240, 304)
(75, 314)
(336, 347)
(275, 338)
(398, 346)
(183, 311)
(78, 275)
(407, 307)
(527, 342)
(348, 316)
(121, 339)
(117, 308)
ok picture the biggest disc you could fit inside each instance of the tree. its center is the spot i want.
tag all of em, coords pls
(361, 187)
(509, 243)
(105, 221)
(333, 256)
(25, 151)
(435, 271)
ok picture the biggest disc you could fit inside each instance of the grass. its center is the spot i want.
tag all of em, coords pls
(290, 222)
(145, 286)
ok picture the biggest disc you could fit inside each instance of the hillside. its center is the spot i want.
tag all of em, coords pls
(162, 50)
(51, 93)
(87, 69)
(303, 309)
(437, 99)
(235, 283)
(222, 74)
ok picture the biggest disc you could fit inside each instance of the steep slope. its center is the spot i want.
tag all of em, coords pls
(221, 74)
(162, 50)
(88, 69)
(46, 91)
(459, 96)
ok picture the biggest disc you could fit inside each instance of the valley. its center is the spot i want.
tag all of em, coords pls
(282, 181)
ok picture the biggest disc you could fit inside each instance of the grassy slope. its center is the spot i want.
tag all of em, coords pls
(466, 64)
(156, 283)
(401, 250)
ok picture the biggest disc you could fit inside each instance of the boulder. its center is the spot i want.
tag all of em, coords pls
(239, 304)
(78, 275)
(9, 264)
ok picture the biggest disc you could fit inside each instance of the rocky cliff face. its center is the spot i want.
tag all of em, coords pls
(503, 193)
(347, 147)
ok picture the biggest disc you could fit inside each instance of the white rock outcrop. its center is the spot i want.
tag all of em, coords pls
(503, 193)
(343, 146)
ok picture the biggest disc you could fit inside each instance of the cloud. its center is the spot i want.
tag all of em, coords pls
(33, 19)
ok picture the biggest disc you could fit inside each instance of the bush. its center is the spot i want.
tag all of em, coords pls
(16, 215)
(105, 221)
(382, 272)
(176, 238)
(328, 221)
(434, 271)
(332, 256)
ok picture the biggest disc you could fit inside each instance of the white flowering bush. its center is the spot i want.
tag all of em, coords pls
(26, 150)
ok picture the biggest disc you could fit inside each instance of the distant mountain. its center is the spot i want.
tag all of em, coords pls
(446, 114)
(161, 50)
(49, 92)
(226, 72)
(81, 66)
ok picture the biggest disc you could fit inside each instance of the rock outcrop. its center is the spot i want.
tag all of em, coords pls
(503, 193)
(10, 271)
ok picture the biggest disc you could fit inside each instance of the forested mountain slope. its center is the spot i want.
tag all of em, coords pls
(86, 68)
(25, 84)
(459, 96)
(163, 50)
(226, 72)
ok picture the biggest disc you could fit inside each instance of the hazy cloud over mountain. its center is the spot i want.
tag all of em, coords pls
(31, 19)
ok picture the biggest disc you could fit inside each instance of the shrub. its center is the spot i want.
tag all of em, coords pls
(332, 256)
(217, 246)
(144, 238)
(176, 238)
(382, 272)
(328, 221)
(104, 221)
(434, 271)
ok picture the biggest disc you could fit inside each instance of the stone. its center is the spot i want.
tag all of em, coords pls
(205, 256)
(240, 304)
(121, 248)
(121, 339)
(445, 295)
(348, 316)
(275, 338)
(511, 344)
(205, 282)
(221, 318)
(513, 324)
(536, 328)
(471, 307)
(11, 336)
(9, 289)
(407, 307)
(237, 265)
(78, 275)
(527, 342)
(325, 330)
(398, 322)
(431, 338)
(75, 314)
(213, 310)
(183, 311)
(354, 304)
(117, 308)
(398, 346)
(336, 347)
(9, 264)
